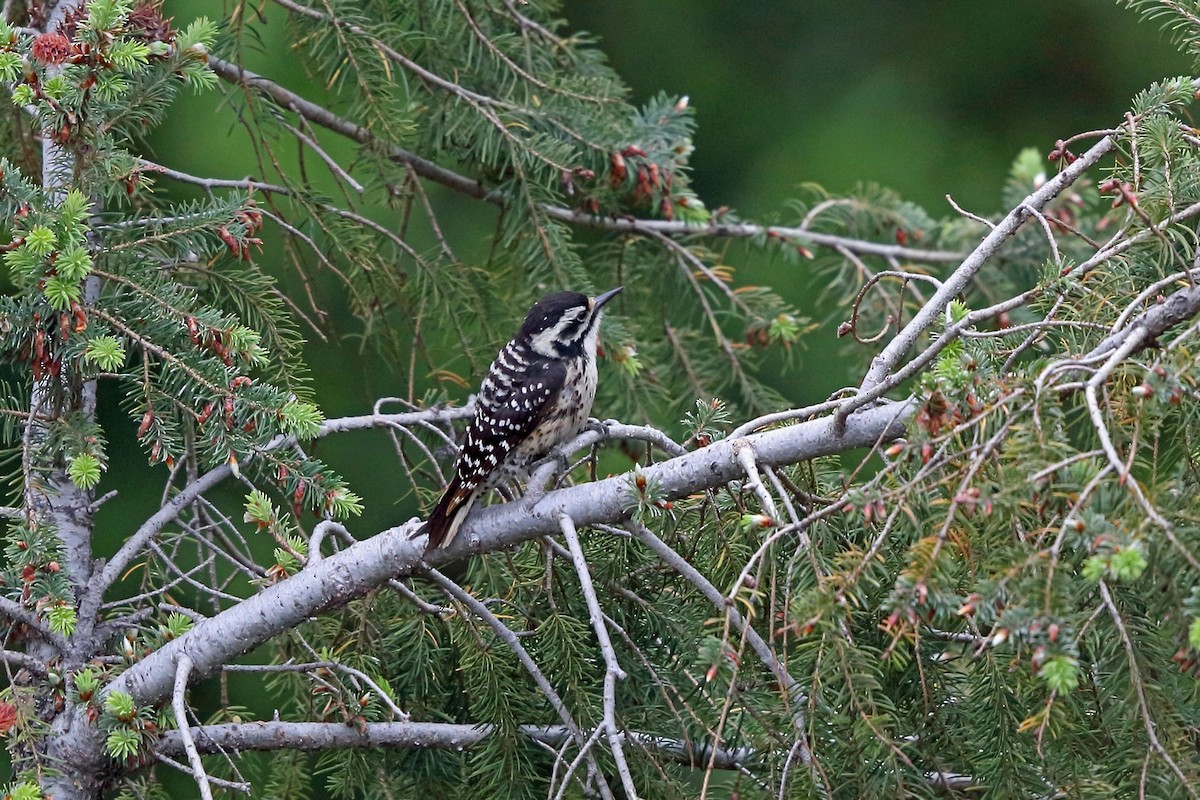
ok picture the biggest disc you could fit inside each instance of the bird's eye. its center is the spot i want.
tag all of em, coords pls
(572, 322)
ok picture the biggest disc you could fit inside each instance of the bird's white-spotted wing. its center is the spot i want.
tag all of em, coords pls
(514, 399)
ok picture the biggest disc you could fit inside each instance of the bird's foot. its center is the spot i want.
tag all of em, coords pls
(547, 473)
(599, 426)
(533, 495)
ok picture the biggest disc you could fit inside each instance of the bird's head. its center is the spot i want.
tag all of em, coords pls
(565, 324)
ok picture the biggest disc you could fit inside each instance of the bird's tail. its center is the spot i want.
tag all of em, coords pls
(448, 515)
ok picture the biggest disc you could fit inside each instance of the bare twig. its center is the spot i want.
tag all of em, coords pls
(312, 666)
(514, 643)
(320, 531)
(745, 456)
(792, 690)
(612, 668)
(183, 669)
(987, 223)
(237, 786)
(1135, 677)
(782, 416)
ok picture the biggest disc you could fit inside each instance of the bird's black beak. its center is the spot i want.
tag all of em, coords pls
(601, 299)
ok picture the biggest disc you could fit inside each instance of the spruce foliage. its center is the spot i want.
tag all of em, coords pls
(1003, 601)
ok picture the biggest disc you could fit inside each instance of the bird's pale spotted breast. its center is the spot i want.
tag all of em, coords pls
(567, 415)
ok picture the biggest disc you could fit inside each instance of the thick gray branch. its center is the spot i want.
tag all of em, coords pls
(405, 735)
(339, 578)
(1151, 323)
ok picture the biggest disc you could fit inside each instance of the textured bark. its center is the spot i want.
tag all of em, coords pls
(51, 499)
(1181, 305)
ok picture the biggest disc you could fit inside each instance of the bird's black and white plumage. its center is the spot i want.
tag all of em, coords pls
(537, 394)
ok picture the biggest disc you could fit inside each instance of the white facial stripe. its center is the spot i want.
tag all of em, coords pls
(544, 342)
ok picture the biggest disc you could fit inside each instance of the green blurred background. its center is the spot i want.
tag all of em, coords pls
(927, 97)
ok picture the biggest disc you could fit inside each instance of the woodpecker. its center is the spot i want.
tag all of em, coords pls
(536, 395)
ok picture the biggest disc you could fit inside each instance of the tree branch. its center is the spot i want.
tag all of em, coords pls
(18, 613)
(23, 661)
(612, 668)
(351, 573)
(425, 168)
(152, 527)
(179, 703)
(404, 419)
(308, 736)
(957, 281)
(94, 596)
(1151, 323)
